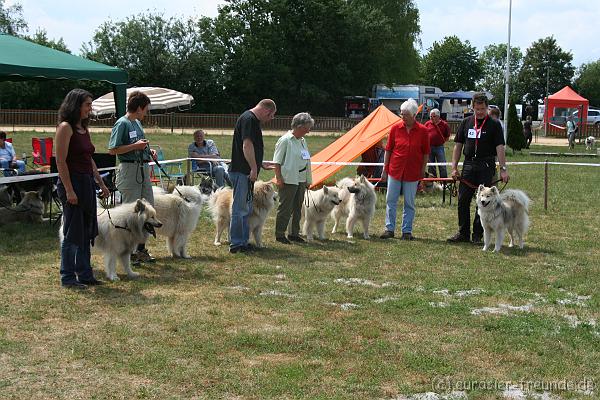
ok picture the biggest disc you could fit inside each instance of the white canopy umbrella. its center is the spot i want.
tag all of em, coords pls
(161, 101)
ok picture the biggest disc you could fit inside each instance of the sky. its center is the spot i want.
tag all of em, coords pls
(573, 23)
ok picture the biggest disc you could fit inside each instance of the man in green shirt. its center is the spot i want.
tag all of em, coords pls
(293, 175)
(128, 143)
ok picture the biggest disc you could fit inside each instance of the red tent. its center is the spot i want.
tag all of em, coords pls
(566, 98)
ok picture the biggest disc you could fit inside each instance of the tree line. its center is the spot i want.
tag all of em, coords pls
(305, 54)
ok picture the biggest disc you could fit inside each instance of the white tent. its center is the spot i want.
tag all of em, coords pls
(161, 101)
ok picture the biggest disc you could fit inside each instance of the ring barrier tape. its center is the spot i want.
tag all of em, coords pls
(23, 178)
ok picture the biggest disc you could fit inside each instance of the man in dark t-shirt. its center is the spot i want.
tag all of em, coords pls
(246, 160)
(481, 139)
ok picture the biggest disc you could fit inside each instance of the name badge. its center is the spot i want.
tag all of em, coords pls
(472, 134)
(133, 135)
(305, 155)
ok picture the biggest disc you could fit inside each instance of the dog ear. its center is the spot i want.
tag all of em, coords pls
(495, 189)
(480, 188)
(139, 206)
(325, 190)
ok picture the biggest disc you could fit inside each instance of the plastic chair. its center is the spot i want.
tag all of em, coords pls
(42, 151)
(173, 171)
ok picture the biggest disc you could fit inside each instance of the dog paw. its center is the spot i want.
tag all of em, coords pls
(367, 236)
(133, 275)
(113, 278)
(186, 256)
(350, 236)
(217, 243)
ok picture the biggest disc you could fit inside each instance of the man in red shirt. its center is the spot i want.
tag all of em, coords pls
(406, 156)
(439, 133)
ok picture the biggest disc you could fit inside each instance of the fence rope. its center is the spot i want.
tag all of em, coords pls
(23, 178)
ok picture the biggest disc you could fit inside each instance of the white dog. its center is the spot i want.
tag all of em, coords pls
(263, 200)
(179, 212)
(500, 212)
(590, 143)
(120, 230)
(358, 201)
(317, 206)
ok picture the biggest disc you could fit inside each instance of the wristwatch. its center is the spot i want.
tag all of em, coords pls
(503, 168)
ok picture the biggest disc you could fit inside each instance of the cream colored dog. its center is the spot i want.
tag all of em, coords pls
(317, 206)
(120, 230)
(358, 201)
(263, 200)
(501, 212)
(179, 212)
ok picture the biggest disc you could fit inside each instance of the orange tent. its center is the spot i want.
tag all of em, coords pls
(350, 146)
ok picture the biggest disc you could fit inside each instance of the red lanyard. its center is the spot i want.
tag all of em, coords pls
(478, 132)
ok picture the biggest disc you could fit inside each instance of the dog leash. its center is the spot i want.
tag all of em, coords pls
(474, 186)
(308, 199)
(169, 178)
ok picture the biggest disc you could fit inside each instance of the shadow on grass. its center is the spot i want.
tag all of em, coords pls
(27, 239)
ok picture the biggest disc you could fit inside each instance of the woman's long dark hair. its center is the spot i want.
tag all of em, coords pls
(70, 109)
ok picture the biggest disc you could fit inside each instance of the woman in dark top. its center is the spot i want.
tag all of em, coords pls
(76, 189)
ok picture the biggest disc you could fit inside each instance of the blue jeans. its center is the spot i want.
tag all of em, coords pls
(394, 188)
(239, 229)
(437, 156)
(6, 164)
(75, 263)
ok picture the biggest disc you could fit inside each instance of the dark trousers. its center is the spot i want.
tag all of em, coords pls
(290, 204)
(79, 229)
(476, 173)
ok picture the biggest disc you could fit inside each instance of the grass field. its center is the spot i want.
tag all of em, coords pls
(327, 320)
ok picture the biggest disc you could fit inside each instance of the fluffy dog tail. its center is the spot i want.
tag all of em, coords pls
(517, 198)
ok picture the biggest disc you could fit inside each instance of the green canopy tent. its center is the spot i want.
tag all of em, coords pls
(23, 60)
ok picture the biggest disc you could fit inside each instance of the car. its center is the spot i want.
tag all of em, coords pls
(593, 116)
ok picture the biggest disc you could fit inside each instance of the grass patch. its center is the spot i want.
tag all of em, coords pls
(272, 325)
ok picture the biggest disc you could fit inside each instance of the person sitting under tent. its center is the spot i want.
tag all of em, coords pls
(206, 148)
(373, 155)
(8, 158)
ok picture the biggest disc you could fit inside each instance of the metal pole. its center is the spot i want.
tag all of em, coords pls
(546, 185)
(507, 77)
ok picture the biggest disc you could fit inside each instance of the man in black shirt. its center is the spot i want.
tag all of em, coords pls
(481, 140)
(246, 159)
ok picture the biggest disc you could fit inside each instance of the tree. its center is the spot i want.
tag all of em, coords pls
(11, 19)
(308, 54)
(587, 82)
(493, 61)
(515, 138)
(160, 52)
(398, 30)
(451, 65)
(544, 62)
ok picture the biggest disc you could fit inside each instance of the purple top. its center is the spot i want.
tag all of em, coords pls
(79, 157)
